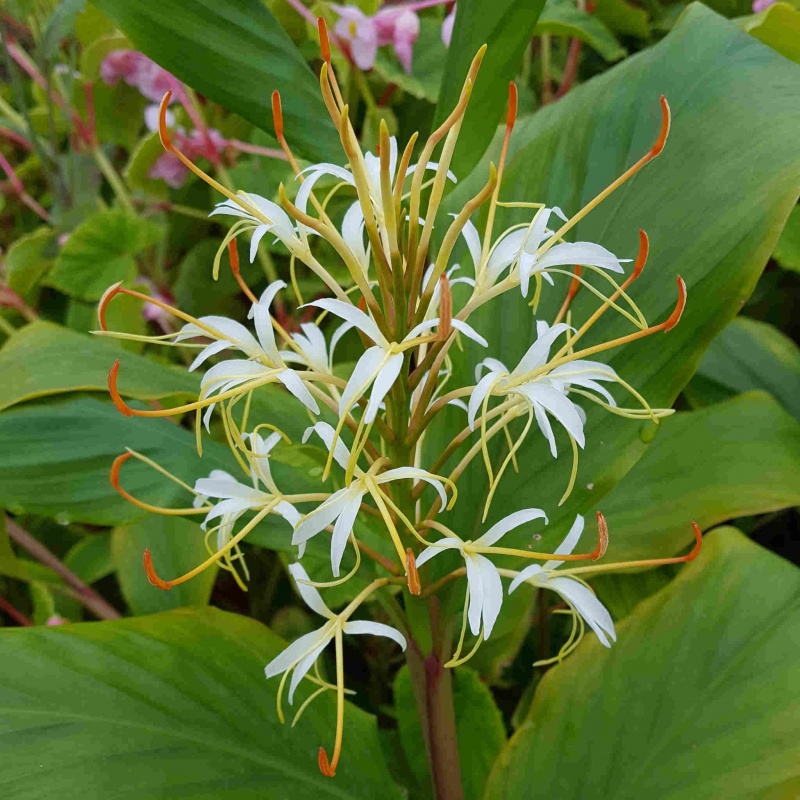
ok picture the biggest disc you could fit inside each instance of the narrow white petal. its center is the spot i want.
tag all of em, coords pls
(364, 373)
(504, 253)
(353, 315)
(492, 593)
(418, 329)
(305, 664)
(580, 253)
(343, 528)
(383, 382)
(527, 574)
(326, 432)
(292, 381)
(473, 240)
(539, 351)
(320, 517)
(255, 240)
(469, 332)
(416, 474)
(587, 605)
(210, 350)
(429, 552)
(569, 543)
(478, 396)
(311, 597)
(561, 407)
(475, 582)
(501, 528)
(293, 653)
(546, 428)
(376, 629)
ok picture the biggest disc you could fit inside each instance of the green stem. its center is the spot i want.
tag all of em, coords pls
(114, 180)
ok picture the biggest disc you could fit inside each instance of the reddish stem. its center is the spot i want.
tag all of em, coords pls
(15, 614)
(570, 68)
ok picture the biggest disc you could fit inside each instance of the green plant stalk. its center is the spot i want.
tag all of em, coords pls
(114, 180)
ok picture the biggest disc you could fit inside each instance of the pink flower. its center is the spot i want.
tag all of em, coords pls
(363, 35)
(137, 70)
(447, 27)
(169, 168)
(56, 620)
(762, 5)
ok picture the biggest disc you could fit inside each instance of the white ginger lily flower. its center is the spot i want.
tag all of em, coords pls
(300, 656)
(315, 354)
(580, 598)
(483, 579)
(281, 224)
(236, 498)
(546, 391)
(380, 365)
(264, 359)
(519, 247)
(342, 506)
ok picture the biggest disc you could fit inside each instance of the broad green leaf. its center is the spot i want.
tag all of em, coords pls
(749, 354)
(102, 251)
(505, 26)
(718, 241)
(479, 727)
(693, 702)
(196, 289)
(90, 558)
(172, 705)
(28, 259)
(563, 18)
(787, 251)
(730, 460)
(778, 27)
(44, 359)
(177, 545)
(92, 57)
(236, 54)
(142, 159)
(623, 18)
(56, 459)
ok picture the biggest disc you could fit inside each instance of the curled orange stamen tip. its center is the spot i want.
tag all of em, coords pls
(115, 395)
(115, 468)
(675, 316)
(511, 118)
(151, 573)
(324, 767)
(602, 537)
(324, 42)
(414, 585)
(162, 121)
(641, 257)
(445, 309)
(107, 297)
(277, 115)
(666, 118)
(698, 543)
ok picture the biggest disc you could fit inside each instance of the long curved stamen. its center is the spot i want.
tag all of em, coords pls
(233, 254)
(175, 512)
(574, 286)
(328, 768)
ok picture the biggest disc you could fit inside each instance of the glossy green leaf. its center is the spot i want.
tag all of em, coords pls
(563, 18)
(236, 54)
(622, 17)
(28, 259)
(90, 558)
(172, 705)
(56, 459)
(505, 26)
(787, 251)
(779, 27)
(479, 727)
(44, 359)
(719, 242)
(177, 545)
(102, 251)
(730, 460)
(749, 354)
(693, 702)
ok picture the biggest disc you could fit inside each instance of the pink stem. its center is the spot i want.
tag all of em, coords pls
(268, 152)
(16, 615)
(570, 69)
(19, 189)
(16, 138)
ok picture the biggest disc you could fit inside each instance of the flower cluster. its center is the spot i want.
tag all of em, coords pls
(400, 310)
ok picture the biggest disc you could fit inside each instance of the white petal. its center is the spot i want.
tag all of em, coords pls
(293, 653)
(418, 329)
(473, 240)
(305, 664)
(417, 474)
(311, 597)
(579, 253)
(587, 605)
(292, 381)
(353, 233)
(527, 574)
(492, 593)
(354, 315)
(559, 406)
(210, 350)
(539, 351)
(326, 432)
(475, 583)
(343, 528)
(337, 334)
(478, 396)
(376, 629)
(320, 517)
(288, 512)
(501, 528)
(469, 332)
(505, 251)
(383, 382)
(546, 428)
(255, 240)
(233, 331)
(443, 544)
(364, 373)
(568, 545)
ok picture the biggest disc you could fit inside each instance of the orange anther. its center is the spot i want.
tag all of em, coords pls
(151, 573)
(233, 254)
(414, 585)
(324, 767)
(511, 117)
(115, 468)
(277, 115)
(665, 123)
(162, 121)
(324, 42)
(107, 297)
(675, 316)
(602, 536)
(115, 395)
(574, 284)
(698, 543)
(641, 257)
(445, 309)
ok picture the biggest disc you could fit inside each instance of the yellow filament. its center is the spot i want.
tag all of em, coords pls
(340, 581)
(574, 473)
(453, 662)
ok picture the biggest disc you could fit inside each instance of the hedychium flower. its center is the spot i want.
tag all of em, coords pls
(373, 411)
(302, 654)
